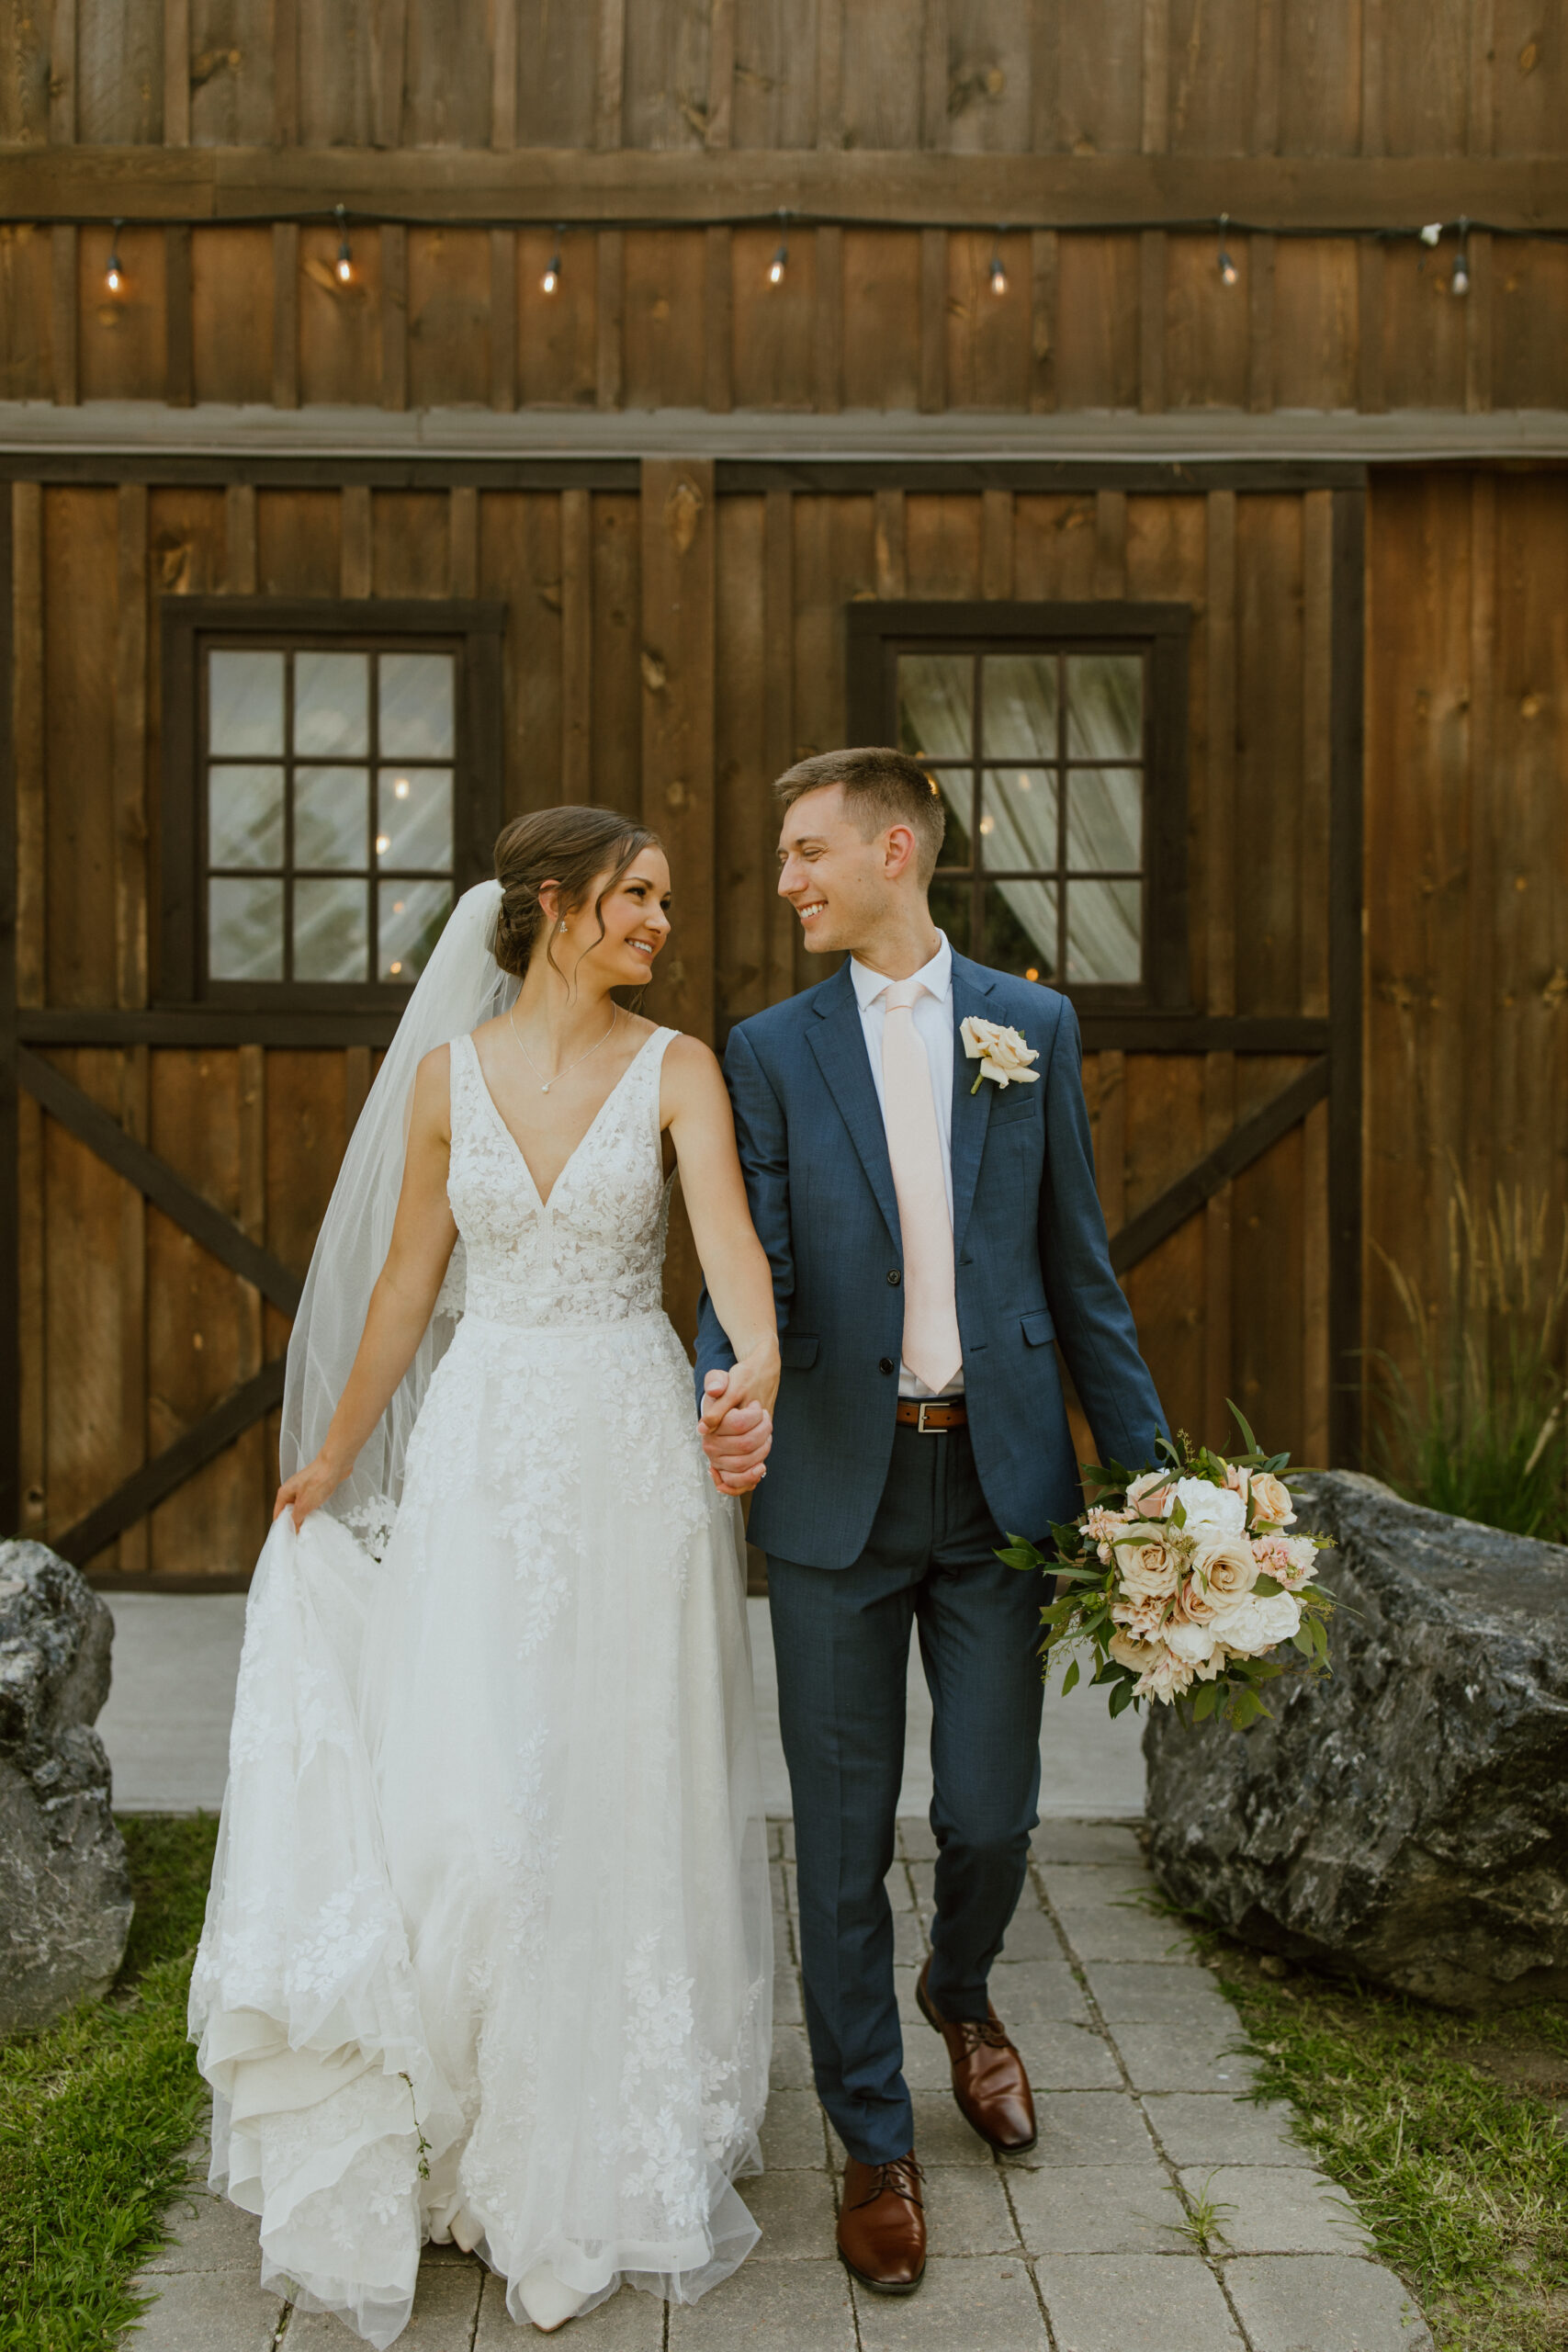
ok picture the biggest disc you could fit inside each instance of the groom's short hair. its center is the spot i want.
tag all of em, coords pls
(880, 788)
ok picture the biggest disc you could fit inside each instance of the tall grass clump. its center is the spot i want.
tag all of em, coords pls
(1482, 1430)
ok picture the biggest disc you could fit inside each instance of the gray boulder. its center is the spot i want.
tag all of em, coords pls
(64, 1884)
(1406, 1819)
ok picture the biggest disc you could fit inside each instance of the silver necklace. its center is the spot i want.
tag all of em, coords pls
(548, 1082)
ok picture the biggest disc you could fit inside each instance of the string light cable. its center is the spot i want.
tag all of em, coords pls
(1429, 234)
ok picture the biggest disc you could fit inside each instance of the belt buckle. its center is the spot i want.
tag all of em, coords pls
(920, 1423)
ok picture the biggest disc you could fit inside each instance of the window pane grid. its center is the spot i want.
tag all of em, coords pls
(319, 899)
(1044, 748)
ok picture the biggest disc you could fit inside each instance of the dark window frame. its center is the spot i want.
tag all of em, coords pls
(878, 633)
(470, 629)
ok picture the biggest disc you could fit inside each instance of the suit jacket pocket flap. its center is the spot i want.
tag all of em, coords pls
(797, 1349)
(1038, 1328)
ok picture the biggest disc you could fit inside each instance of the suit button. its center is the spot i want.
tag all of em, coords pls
(895, 1278)
(884, 1363)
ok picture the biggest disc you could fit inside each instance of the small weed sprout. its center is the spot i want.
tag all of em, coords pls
(1202, 2224)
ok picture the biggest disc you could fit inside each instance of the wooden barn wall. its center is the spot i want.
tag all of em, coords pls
(1467, 869)
(866, 318)
(668, 653)
(1155, 77)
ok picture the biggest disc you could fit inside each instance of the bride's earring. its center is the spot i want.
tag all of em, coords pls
(560, 926)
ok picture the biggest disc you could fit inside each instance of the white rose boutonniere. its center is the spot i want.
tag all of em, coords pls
(1002, 1053)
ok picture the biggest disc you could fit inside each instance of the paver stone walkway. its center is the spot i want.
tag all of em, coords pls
(1084, 2244)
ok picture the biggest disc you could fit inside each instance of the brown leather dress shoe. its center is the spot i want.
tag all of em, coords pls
(988, 2080)
(882, 2224)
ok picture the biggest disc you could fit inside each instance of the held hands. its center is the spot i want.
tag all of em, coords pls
(308, 1490)
(737, 1426)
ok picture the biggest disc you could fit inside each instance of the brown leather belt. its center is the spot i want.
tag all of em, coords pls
(932, 1416)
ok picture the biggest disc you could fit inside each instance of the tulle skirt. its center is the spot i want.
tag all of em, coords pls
(489, 1931)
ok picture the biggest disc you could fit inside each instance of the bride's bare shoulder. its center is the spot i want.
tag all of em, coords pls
(692, 1083)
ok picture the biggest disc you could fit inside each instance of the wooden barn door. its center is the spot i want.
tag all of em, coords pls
(1228, 1143)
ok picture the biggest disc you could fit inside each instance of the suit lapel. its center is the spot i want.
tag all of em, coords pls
(838, 1041)
(971, 1112)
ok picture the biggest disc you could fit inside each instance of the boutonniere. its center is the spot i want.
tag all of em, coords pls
(1002, 1053)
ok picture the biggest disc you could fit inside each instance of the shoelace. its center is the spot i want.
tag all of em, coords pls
(987, 2032)
(898, 2177)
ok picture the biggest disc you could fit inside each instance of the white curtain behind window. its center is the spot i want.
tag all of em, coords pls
(1019, 826)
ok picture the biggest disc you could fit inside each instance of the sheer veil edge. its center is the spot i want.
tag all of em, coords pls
(461, 986)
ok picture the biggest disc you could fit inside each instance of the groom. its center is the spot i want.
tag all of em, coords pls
(929, 1238)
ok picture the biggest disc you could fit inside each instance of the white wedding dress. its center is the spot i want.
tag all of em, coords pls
(488, 1940)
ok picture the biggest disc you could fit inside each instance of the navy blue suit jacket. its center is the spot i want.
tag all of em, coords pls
(1032, 1263)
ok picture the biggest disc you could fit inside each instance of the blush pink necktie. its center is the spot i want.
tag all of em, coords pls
(932, 1350)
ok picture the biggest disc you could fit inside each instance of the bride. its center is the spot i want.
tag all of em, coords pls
(486, 1951)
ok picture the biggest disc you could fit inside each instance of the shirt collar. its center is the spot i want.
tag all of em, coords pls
(935, 977)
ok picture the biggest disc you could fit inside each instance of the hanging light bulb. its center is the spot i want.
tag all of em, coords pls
(1227, 268)
(1460, 282)
(113, 276)
(343, 268)
(994, 272)
(551, 278)
(780, 261)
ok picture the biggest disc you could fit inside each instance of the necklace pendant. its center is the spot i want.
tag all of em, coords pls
(544, 1089)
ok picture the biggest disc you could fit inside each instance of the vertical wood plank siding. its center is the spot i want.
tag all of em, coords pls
(1155, 76)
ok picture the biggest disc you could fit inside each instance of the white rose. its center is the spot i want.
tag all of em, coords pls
(1260, 1623)
(1272, 1504)
(1147, 1570)
(1196, 1643)
(1225, 1567)
(1209, 1506)
(1002, 1053)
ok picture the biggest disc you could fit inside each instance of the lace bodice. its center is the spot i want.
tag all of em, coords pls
(594, 1252)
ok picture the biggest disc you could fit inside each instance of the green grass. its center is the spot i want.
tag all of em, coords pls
(94, 2112)
(1451, 2132)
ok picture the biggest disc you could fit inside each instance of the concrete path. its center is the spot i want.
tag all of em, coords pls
(1086, 2245)
(167, 1723)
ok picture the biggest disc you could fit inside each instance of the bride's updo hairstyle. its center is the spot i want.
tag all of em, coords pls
(570, 847)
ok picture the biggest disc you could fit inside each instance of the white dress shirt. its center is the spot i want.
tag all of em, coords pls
(932, 1017)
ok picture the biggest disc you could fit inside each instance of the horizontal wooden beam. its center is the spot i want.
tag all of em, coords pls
(1244, 1144)
(623, 187)
(1130, 1032)
(149, 1486)
(153, 1177)
(1197, 1032)
(325, 446)
(203, 1026)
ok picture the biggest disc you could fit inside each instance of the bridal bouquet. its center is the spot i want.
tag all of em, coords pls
(1183, 1581)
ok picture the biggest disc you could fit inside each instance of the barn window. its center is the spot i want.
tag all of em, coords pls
(331, 788)
(1056, 738)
